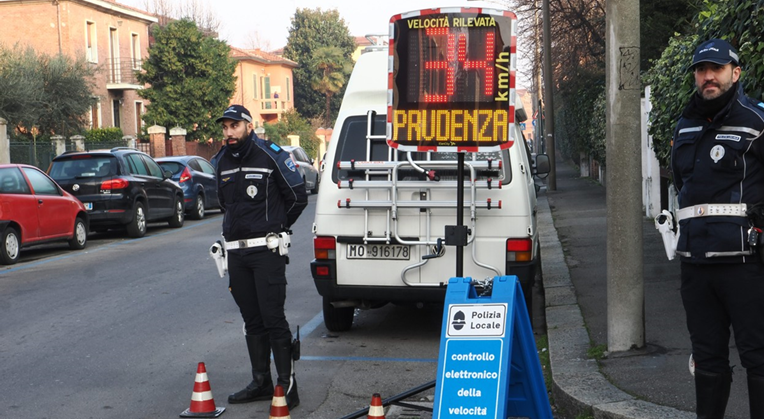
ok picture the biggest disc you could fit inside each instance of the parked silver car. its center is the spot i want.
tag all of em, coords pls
(305, 167)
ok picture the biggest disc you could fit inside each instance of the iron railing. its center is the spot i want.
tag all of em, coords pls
(123, 71)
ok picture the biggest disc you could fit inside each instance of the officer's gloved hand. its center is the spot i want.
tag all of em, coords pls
(755, 214)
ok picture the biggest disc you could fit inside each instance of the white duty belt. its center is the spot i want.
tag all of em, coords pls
(712, 210)
(245, 244)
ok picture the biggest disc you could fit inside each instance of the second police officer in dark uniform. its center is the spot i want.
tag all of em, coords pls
(261, 194)
(717, 165)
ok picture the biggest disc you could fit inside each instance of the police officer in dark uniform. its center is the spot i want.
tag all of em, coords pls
(261, 195)
(717, 166)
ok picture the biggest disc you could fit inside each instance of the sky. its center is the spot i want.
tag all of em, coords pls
(265, 23)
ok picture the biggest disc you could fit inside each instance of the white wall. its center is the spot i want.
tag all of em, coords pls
(651, 176)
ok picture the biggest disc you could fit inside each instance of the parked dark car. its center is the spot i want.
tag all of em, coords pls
(305, 167)
(197, 179)
(35, 210)
(120, 188)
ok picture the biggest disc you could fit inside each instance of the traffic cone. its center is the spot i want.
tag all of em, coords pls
(279, 409)
(376, 410)
(202, 403)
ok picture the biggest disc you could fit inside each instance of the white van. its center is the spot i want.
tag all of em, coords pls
(380, 222)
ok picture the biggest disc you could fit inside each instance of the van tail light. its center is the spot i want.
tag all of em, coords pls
(113, 184)
(185, 175)
(518, 250)
(324, 248)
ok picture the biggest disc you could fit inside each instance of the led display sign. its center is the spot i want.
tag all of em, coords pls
(451, 80)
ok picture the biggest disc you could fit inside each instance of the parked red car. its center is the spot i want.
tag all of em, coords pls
(34, 210)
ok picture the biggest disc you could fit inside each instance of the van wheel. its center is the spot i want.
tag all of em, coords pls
(80, 236)
(337, 319)
(10, 244)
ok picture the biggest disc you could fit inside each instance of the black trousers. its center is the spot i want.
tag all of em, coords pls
(259, 287)
(716, 297)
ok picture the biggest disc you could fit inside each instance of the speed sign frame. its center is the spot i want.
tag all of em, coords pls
(451, 80)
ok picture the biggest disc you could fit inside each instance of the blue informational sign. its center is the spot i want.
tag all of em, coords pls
(487, 364)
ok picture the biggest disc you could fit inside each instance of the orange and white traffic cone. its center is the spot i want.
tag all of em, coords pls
(376, 410)
(279, 409)
(202, 403)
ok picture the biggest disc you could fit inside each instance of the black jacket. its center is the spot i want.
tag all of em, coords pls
(718, 160)
(259, 189)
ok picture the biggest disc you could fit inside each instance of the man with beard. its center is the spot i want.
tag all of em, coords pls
(261, 195)
(717, 169)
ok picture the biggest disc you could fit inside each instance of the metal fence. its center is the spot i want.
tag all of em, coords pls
(41, 153)
(37, 154)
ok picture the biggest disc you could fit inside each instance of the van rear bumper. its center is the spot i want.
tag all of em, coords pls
(327, 286)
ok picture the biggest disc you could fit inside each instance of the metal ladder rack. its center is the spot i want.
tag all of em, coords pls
(388, 174)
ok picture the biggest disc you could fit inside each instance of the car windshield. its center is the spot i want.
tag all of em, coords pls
(82, 167)
(172, 166)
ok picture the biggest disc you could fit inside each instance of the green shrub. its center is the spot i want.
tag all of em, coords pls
(103, 135)
(740, 22)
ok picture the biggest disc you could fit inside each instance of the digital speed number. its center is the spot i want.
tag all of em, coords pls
(440, 74)
(451, 80)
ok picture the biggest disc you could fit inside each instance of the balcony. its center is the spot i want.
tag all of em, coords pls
(274, 106)
(121, 74)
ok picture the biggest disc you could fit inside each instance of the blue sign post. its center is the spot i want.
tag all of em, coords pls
(488, 365)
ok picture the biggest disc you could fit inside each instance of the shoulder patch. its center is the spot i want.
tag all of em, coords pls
(762, 105)
(290, 164)
(275, 147)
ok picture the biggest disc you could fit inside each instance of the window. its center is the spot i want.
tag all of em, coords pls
(135, 165)
(267, 91)
(255, 86)
(138, 120)
(91, 48)
(114, 56)
(116, 113)
(95, 115)
(206, 167)
(11, 182)
(40, 183)
(135, 50)
(287, 88)
(154, 169)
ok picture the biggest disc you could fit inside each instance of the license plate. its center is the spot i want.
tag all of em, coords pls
(88, 206)
(377, 251)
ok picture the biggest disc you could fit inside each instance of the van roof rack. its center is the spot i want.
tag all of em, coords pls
(378, 42)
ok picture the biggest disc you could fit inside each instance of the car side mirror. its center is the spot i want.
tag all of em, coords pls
(542, 164)
(166, 174)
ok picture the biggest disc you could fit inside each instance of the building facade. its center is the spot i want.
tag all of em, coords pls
(264, 84)
(114, 38)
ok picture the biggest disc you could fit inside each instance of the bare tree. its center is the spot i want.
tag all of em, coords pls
(256, 41)
(578, 34)
(201, 14)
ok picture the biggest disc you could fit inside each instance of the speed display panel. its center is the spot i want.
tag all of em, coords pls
(451, 80)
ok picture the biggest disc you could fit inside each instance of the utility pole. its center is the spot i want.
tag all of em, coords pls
(552, 183)
(537, 82)
(624, 258)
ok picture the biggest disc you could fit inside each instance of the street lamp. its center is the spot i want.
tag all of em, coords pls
(260, 132)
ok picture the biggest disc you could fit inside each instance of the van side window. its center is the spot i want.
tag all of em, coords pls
(352, 143)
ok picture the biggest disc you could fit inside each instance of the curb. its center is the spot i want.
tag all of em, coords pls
(578, 386)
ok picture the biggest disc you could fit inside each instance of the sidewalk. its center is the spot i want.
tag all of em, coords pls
(653, 382)
(649, 383)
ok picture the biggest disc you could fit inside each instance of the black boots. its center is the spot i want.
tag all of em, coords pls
(261, 387)
(712, 391)
(755, 396)
(284, 368)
